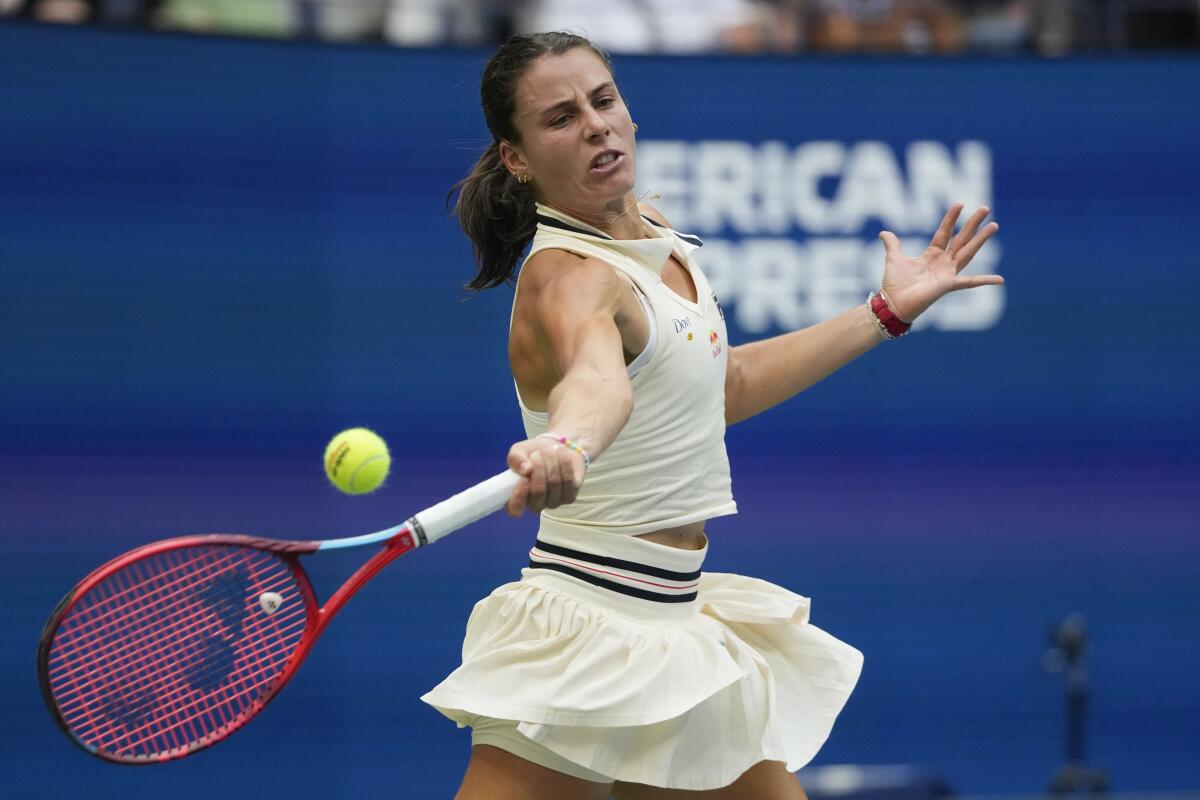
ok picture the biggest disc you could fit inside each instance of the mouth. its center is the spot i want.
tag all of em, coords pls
(606, 162)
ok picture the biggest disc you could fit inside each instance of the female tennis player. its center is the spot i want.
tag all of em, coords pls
(614, 665)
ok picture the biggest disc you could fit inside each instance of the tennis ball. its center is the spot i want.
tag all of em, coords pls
(357, 461)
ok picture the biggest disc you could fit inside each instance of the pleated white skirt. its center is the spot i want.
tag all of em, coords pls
(616, 654)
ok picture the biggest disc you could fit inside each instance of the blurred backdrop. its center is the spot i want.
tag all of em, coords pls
(219, 250)
(1049, 27)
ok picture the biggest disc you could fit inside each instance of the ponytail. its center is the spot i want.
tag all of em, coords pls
(498, 215)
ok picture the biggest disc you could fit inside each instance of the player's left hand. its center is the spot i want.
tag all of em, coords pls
(911, 285)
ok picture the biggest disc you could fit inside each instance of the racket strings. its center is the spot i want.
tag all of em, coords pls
(225, 707)
(175, 648)
(115, 655)
(209, 665)
(124, 710)
(159, 688)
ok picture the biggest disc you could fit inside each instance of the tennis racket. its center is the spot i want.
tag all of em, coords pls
(173, 646)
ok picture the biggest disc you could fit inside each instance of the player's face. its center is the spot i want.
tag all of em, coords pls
(577, 140)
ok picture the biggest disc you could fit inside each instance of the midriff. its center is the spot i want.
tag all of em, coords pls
(685, 537)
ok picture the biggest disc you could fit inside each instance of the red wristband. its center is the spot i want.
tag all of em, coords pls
(889, 325)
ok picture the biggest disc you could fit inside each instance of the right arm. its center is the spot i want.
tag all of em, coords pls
(567, 347)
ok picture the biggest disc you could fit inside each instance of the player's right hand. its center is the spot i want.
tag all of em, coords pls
(551, 475)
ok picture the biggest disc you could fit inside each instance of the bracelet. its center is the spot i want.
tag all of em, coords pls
(886, 322)
(567, 443)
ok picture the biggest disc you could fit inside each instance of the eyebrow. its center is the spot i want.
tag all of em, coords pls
(570, 103)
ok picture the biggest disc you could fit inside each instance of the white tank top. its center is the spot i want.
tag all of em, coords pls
(668, 465)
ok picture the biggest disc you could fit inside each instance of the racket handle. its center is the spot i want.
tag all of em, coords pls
(466, 507)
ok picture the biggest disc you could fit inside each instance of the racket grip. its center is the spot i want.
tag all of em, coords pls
(467, 506)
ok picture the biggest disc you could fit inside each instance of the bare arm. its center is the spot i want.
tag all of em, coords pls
(570, 310)
(763, 374)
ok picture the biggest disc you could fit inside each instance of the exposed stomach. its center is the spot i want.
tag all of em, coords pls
(685, 537)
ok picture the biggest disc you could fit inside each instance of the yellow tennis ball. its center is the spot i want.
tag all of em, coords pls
(357, 461)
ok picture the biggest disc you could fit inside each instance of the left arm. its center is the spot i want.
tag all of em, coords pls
(762, 374)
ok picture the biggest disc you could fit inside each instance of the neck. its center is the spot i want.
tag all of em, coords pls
(619, 218)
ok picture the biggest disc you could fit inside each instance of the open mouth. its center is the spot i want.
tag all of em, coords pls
(607, 161)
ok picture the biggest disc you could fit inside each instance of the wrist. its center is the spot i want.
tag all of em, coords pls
(570, 445)
(887, 322)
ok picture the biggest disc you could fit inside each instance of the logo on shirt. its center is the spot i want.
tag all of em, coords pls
(682, 325)
(715, 341)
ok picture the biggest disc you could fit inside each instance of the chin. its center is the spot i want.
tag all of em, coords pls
(620, 187)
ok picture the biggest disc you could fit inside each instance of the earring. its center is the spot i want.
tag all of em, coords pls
(635, 127)
(523, 178)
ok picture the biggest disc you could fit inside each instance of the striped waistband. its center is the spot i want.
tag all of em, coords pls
(622, 564)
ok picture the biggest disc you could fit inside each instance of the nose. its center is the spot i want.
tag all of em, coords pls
(594, 124)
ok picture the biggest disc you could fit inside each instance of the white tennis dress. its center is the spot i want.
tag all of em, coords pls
(618, 654)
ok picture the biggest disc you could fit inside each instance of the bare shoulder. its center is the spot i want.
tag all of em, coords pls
(571, 281)
(650, 211)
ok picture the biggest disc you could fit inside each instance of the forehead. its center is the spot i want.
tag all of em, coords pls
(554, 78)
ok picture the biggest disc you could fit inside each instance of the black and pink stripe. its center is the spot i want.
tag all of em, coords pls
(615, 574)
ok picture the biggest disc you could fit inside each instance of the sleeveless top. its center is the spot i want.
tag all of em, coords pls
(667, 466)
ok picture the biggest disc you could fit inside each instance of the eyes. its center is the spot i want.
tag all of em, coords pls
(601, 103)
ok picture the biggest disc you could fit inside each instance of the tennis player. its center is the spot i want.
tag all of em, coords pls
(614, 665)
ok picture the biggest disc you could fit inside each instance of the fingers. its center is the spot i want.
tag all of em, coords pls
(941, 237)
(968, 230)
(551, 476)
(573, 472)
(890, 244)
(964, 255)
(552, 466)
(518, 462)
(537, 482)
(971, 281)
(517, 502)
(965, 242)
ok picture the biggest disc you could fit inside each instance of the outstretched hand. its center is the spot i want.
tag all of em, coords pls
(911, 285)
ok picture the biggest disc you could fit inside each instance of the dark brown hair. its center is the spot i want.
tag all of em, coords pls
(494, 209)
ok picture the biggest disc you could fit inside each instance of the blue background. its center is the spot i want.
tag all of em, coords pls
(216, 253)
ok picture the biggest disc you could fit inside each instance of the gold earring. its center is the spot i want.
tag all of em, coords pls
(635, 127)
(523, 178)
